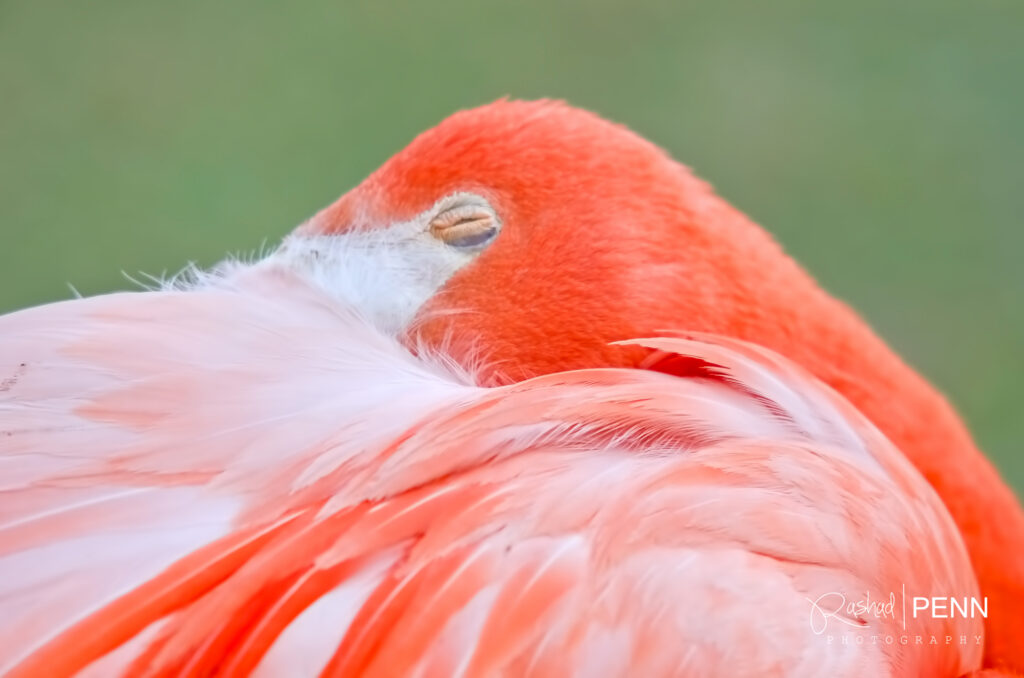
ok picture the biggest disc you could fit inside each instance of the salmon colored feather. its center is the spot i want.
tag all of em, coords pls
(246, 478)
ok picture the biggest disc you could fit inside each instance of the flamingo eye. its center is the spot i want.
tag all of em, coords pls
(468, 226)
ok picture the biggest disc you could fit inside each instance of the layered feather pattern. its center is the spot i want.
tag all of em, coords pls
(248, 478)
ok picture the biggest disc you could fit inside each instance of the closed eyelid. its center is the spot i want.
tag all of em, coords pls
(464, 221)
(462, 213)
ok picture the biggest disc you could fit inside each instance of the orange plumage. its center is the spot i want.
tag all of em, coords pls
(245, 477)
(253, 474)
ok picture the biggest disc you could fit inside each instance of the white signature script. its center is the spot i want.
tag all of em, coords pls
(833, 605)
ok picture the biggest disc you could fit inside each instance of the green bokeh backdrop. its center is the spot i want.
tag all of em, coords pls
(882, 145)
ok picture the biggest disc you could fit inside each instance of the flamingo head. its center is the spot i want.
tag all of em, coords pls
(523, 237)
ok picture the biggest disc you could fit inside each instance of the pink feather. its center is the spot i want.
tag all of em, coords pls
(247, 478)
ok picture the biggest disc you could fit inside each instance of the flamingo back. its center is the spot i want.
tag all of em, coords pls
(247, 478)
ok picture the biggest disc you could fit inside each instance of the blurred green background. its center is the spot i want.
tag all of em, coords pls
(882, 145)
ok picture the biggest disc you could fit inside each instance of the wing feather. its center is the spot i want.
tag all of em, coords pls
(247, 478)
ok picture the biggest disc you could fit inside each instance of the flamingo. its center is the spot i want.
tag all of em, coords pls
(530, 400)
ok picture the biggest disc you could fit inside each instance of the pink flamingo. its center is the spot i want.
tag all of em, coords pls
(303, 467)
